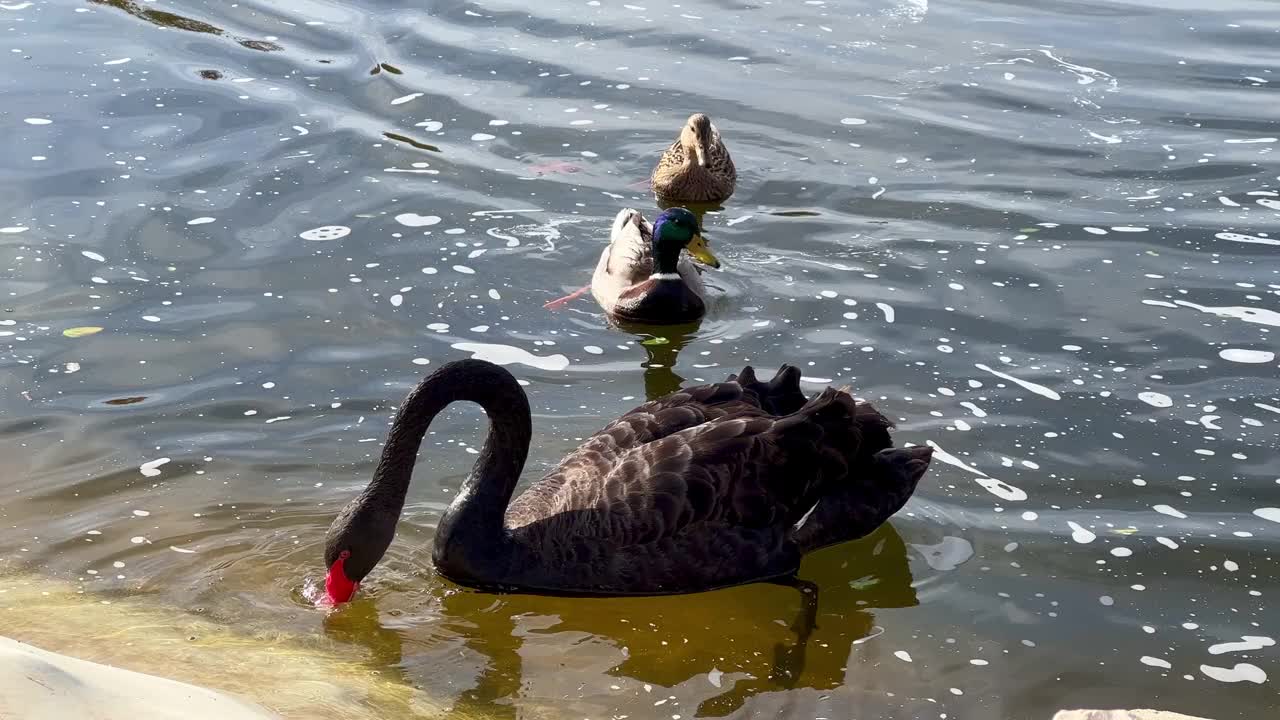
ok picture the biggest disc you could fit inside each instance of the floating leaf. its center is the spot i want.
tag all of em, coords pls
(1125, 531)
(655, 341)
(76, 332)
(125, 400)
(864, 582)
(1029, 230)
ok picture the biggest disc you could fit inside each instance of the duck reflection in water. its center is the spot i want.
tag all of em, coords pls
(728, 645)
(662, 346)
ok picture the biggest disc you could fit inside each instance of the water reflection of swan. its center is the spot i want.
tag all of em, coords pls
(728, 645)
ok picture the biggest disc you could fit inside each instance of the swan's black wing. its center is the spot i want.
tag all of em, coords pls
(689, 407)
(709, 505)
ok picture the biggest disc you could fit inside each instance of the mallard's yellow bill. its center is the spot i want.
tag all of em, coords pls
(697, 247)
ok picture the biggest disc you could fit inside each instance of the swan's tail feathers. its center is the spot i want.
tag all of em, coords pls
(873, 431)
(875, 491)
(780, 396)
(784, 390)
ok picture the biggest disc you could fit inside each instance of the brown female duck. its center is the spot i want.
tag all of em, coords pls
(696, 169)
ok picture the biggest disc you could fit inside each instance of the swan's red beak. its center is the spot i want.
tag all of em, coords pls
(337, 585)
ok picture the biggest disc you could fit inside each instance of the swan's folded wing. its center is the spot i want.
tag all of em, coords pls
(593, 461)
(749, 470)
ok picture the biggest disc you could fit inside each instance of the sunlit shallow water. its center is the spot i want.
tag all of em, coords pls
(1042, 237)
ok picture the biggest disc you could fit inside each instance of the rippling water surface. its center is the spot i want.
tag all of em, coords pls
(1043, 236)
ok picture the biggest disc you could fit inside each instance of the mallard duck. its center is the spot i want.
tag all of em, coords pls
(642, 277)
(711, 486)
(697, 167)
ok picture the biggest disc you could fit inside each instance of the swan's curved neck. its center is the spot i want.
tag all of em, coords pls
(471, 539)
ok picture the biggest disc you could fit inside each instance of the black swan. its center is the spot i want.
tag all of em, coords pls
(710, 486)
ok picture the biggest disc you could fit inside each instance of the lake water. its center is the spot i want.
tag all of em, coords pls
(1043, 236)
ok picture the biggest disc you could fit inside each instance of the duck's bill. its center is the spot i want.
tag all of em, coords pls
(697, 247)
(701, 153)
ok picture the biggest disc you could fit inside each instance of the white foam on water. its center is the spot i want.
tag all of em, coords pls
(325, 233)
(1170, 511)
(1251, 239)
(1242, 355)
(1155, 399)
(902, 655)
(1248, 643)
(1242, 672)
(1025, 384)
(1249, 141)
(1167, 543)
(977, 411)
(416, 220)
(151, 468)
(37, 121)
(947, 555)
(1268, 513)
(201, 221)
(93, 255)
(1155, 662)
(511, 355)
(481, 137)
(1081, 534)
(999, 488)
(14, 229)
(406, 98)
(852, 121)
(1243, 312)
(121, 61)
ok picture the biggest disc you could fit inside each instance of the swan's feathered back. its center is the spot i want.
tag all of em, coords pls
(704, 488)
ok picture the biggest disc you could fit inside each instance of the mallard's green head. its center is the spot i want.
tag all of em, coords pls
(677, 229)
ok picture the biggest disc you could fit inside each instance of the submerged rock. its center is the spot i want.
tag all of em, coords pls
(45, 685)
(1122, 715)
